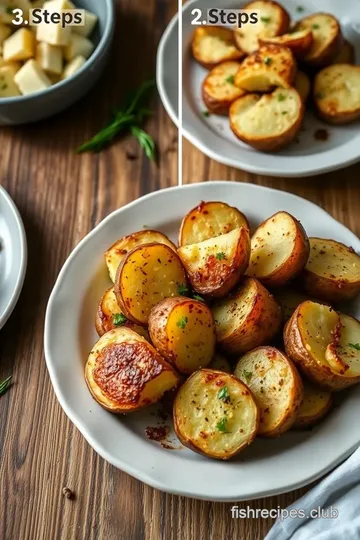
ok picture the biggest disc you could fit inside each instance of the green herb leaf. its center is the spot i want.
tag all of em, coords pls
(247, 375)
(183, 289)
(5, 385)
(198, 297)
(146, 142)
(223, 394)
(315, 26)
(9, 10)
(220, 256)
(267, 60)
(284, 112)
(206, 114)
(355, 346)
(265, 20)
(119, 319)
(300, 9)
(222, 425)
(230, 79)
(182, 322)
(281, 97)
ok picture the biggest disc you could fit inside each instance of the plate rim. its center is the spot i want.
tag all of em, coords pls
(4, 317)
(144, 476)
(322, 168)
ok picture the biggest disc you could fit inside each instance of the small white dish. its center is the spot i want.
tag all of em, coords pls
(13, 256)
(266, 467)
(213, 135)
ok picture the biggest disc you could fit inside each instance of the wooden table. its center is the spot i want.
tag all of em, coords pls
(61, 197)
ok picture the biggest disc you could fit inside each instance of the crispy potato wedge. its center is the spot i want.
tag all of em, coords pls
(327, 38)
(220, 363)
(337, 93)
(332, 272)
(147, 275)
(219, 90)
(270, 67)
(215, 414)
(125, 373)
(279, 250)
(115, 254)
(247, 318)
(208, 220)
(269, 122)
(298, 42)
(109, 316)
(303, 85)
(212, 45)
(346, 55)
(274, 21)
(276, 386)
(215, 266)
(289, 299)
(316, 403)
(183, 331)
(308, 334)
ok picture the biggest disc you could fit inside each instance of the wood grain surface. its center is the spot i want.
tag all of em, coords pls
(61, 197)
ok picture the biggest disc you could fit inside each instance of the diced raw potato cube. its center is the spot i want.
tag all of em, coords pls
(54, 34)
(90, 22)
(73, 67)
(8, 87)
(31, 78)
(78, 46)
(58, 5)
(5, 32)
(19, 46)
(49, 58)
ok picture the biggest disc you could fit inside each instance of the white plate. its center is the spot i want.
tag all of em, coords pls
(267, 467)
(213, 135)
(13, 256)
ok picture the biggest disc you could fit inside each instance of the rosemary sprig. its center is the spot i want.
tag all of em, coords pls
(5, 385)
(128, 119)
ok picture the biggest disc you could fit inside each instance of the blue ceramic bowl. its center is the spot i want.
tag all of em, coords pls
(40, 105)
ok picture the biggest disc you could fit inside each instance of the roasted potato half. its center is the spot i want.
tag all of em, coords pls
(276, 386)
(270, 67)
(247, 318)
(327, 38)
(117, 252)
(216, 265)
(279, 250)
(183, 331)
(316, 403)
(219, 90)
(125, 373)
(298, 42)
(303, 85)
(208, 220)
(212, 45)
(220, 363)
(346, 55)
(332, 272)
(215, 414)
(343, 354)
(147, 275)
(269, 122)
(312, 333)
(109, 316)
(337, 93)
(274, 21)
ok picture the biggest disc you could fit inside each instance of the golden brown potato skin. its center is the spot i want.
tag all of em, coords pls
(298, 45)
(325, 56)
(319, 374)
(225, 34)
(260, 326)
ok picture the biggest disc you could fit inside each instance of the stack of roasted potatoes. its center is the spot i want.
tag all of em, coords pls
(262, 75)
(242, 327)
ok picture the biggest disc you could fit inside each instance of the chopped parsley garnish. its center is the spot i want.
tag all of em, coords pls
(223, 394)
(265, 20)
(284, 112)
(281, 97)
(198, 297)
(247, 375)
(267, 60)
(315, 26)
(220, 256)
(119, 319)
(183, 289)
(355, 346)
(182, 322)
(9, 10)
(230, 79)
(222, 425)
(206, 114)
(5, 385)
(300, 9)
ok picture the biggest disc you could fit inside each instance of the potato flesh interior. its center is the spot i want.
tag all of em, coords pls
(198, 254)
(322, 26)
(214, 48)
(314, 402)
(230, 315)
(219, 83)
(148, 276)
(267, 115)
(271, 245)
(209, 221)
(267, 26)
(338, 88)
(271, 381)
(191, 336)
(317, 325)
(110, 308)
(215, 426)
(348, 348)
(333, 261)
